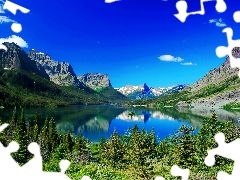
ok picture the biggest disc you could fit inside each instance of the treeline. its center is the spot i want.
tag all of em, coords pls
(54, 146)
(136, 155)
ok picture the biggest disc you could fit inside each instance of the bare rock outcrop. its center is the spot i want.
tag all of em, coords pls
(95, 80)
(16, 58)
(60, 73)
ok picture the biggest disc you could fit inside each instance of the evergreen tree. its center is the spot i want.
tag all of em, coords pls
(68, 142)
(14, 120)
(35, 128)
(113, 152)
(138, 153)
(11, 128)
(29, 131)
(20, 135)
(43, 141)
(53, 137)
(81, 151)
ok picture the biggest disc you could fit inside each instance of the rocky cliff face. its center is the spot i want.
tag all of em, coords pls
(60, 73)
(95, 80)
(16, 58)
(215, 76)
(222, 76)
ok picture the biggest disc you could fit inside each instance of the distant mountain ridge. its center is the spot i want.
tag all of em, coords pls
(95, 80)
(60, 73)
(101, 83)
(146, 92)
(15, 58)
(34, 79)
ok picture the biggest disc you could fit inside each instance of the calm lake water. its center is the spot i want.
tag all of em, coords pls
(95, 122)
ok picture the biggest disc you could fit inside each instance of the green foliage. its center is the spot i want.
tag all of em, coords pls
(134, 155)
(232, 105)
(20, 135)
(22, 88)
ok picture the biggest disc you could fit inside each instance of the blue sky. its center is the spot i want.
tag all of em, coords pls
(133, 41)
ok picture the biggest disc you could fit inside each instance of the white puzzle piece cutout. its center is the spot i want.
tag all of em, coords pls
(229, 151)
(177, 171)
(12, 7)
(222, 51)
(32, 169)
(182, 7)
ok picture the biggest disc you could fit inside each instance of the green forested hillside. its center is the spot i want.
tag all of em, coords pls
(21, 88)
(112, 94)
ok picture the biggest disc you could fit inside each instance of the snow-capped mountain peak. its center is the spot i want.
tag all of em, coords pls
(145, 92)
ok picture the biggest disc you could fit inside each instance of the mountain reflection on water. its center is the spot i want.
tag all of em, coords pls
(104, 119)
(95, 122)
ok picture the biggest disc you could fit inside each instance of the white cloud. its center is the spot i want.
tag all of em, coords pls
(218, 22)
(188, 64)
(16, 39)
(170, 58)
(5, 19)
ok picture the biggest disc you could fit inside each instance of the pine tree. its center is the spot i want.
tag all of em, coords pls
(68, 142)
(20, 135)
(11, 128)
(35, 128)
(14, 120)
(53, 135)
(43, 141)
(81, 151)
(113, 152)
(29, 131)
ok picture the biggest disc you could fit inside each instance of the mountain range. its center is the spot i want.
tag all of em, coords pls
(146, 92)
(35, 79)
(220, 87)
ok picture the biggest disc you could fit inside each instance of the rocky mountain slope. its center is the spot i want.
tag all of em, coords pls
(15, 58)
(101, 83)
(60, 73)
(215, 76)
(218, 87)
(33, 79)
(95, 80)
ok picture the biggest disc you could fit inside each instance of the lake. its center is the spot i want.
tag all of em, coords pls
(95, 122)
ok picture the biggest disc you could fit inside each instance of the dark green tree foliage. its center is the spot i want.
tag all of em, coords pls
(3, 139)
(139, 151)
(53, 135)
(9, 131)
(29, 131)
(60, 153)
(113, 151)
(14, 120)
(43, 141)
(35, 128)
(81, 152)
(184, 151)
(48, 137)
(20, 135)
(68, 143)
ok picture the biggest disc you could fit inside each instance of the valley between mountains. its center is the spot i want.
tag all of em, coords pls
(34, 79)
